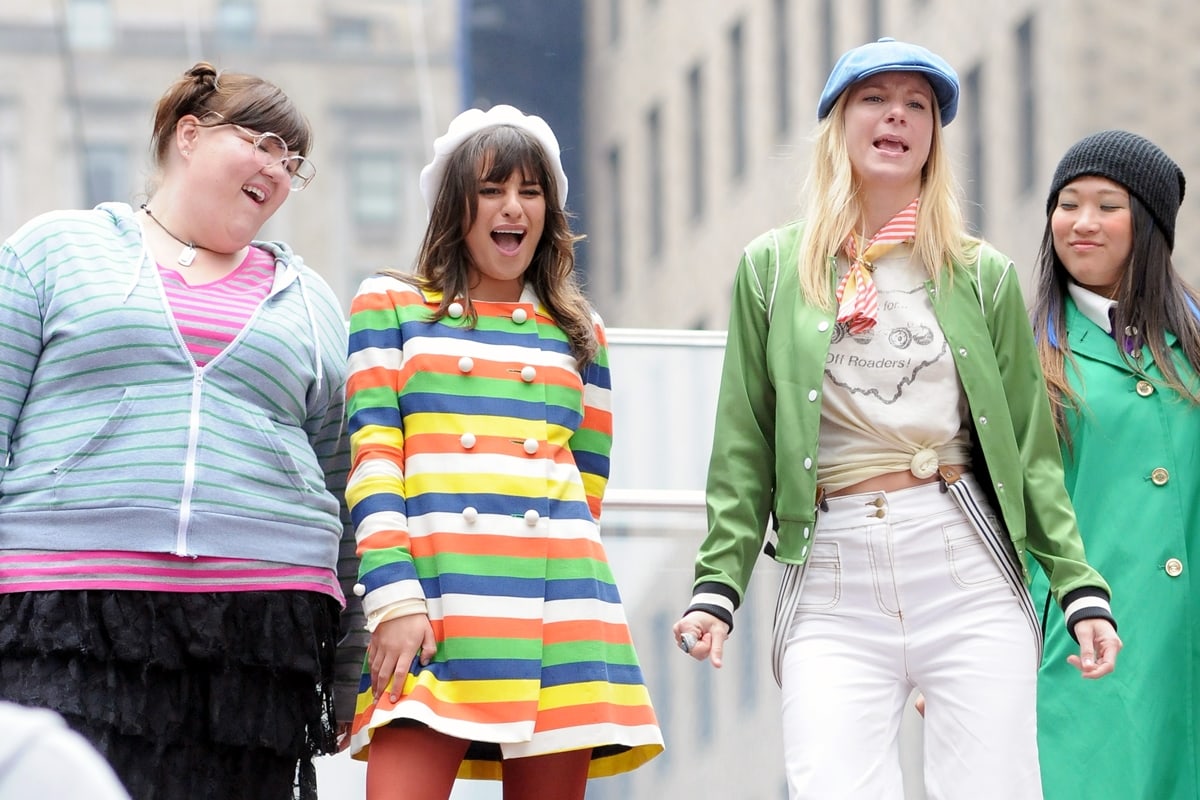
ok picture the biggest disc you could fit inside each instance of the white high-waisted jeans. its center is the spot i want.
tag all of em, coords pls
(900, 592)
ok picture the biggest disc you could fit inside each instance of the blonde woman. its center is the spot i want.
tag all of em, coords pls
(881, 400)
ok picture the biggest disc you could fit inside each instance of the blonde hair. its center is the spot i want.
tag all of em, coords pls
(834, 209)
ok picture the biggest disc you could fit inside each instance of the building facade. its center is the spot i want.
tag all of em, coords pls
(699, 115)
(378, 79)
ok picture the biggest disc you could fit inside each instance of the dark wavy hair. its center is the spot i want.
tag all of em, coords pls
(1151, 297)
(443, 263)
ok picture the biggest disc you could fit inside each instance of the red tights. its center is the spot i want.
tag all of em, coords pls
(418, 763)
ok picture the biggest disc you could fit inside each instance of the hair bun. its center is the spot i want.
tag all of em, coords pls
(204, 73)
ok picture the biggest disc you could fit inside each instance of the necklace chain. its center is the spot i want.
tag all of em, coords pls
(188, 254)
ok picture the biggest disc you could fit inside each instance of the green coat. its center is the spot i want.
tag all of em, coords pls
(1136, 733)
(764, 454)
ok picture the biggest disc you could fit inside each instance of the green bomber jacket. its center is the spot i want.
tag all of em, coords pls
(764, 454)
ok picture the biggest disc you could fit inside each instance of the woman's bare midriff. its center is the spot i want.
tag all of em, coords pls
(893, 481)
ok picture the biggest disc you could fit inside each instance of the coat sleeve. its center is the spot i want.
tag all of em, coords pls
(591, 444)
(375, 491)
(1051, 530)
(741, 473)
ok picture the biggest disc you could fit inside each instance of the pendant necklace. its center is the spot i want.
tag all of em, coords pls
(188, 254)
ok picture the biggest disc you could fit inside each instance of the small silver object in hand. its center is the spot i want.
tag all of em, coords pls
(687, 641)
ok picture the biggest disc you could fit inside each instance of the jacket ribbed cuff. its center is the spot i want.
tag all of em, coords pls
(1088, 602)
(716, 599)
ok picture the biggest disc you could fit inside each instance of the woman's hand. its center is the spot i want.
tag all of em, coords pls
(1098, 648)
(394, 645)
(705, 635)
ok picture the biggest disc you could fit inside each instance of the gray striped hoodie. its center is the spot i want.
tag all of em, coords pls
(112, 438)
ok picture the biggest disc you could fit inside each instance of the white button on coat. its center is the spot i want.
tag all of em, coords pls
(471, 514)
(455, 309)
(528, 374)
(467, 440)
(531, 446)
(519, 315)
(532, 517)
(466, 364)
(359, 590)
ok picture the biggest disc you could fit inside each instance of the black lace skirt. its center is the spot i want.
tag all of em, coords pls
(188, 695)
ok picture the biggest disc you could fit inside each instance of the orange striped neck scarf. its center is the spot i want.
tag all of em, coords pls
(857, 297)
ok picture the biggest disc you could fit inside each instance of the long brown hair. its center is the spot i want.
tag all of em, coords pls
(443, 263)
(1150, 297)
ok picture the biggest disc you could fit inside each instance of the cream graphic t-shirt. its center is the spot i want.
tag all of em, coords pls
(892, 398)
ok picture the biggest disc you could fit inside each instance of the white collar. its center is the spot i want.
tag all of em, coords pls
(1093, 306)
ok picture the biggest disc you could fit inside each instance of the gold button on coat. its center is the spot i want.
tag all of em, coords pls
(1174, 567)
(1159, 476)
(1145, 388)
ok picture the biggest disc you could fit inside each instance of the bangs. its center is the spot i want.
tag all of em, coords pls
(505, 150)
(266, 109)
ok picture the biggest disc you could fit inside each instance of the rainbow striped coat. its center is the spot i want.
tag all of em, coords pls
(480, 457)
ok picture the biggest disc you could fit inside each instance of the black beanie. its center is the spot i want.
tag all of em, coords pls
(1132, 161)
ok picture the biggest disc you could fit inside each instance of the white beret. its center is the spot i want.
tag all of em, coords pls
(474, 120)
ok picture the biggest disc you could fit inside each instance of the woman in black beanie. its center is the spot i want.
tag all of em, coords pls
(1119, 342)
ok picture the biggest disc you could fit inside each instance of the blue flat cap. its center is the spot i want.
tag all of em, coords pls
(888, 55)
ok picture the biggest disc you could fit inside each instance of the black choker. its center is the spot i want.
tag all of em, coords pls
(188, 254)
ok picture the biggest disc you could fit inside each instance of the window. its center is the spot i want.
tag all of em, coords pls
(350, 33)
(825, 49)
(90, 24)
(695, 95)
(1026, 108)
(237, 21)
(874, 20)
(780, 27)
(376, 191)
(737, 99)
(654, 172)
(617, 220)
(105, 174)
(976, 164)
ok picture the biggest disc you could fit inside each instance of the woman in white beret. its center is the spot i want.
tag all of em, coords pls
(480, 426)
(881, 400)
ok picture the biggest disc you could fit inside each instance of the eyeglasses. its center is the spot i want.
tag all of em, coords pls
(271, 149)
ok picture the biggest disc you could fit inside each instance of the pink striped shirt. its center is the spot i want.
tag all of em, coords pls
(41, 570)
(211, 315)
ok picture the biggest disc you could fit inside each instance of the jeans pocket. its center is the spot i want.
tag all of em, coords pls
(822, 587)
(971, 565)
